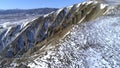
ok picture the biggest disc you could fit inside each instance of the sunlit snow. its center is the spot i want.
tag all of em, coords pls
(91, 44)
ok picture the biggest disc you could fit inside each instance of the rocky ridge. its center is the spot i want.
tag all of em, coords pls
(37, 43)
(19, 39)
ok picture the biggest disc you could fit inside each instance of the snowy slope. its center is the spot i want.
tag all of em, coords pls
(94, 44)
(89, 45)
(110, 2)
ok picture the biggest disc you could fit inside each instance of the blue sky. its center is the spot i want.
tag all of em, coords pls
(29, 4)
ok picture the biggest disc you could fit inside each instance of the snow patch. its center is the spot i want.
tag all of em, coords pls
(102, 6)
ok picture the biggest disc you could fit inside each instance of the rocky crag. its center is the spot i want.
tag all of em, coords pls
(18, 39)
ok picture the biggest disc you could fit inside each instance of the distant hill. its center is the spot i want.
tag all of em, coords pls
(28, 11)
(13, 15)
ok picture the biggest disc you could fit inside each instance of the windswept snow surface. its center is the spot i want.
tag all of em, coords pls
(93, 44)
(110, 2)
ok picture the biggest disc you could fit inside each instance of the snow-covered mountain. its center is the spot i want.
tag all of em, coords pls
(12, 15)
(18, 39)
(84, 35)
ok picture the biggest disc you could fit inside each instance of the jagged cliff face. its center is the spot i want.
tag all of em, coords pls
(92, 39)
(19, 39)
